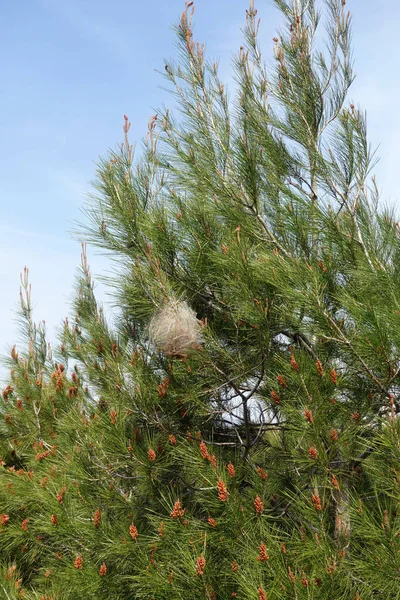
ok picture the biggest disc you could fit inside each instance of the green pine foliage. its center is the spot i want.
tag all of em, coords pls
(260, 460)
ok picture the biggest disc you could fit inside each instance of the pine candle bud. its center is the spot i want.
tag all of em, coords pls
(204, 451)
(97, 518)
(319, 367)
(200, 564)
(262, 595)
(308, 415)
(60, 495)
(11, 571)
(316, 501)
(222, 491)
(335, 482)
(263, 555)
(333, 376)
(231, 470)
(313, 452)
(4, 519)
(151, 455)
(263, 474)
(133, 532)
(282, 381)
(258, 505)
(177, 511)
(24, 524)
(162, 388)
(275, 396)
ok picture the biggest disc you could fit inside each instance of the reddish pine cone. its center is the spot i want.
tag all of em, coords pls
(151, 454)
(316, 501)
(24, 524)
(262, 595)
(97, 518)
(282, 381)
(313, 453)
(200, 564)
(263, 555)
(133, 532)
(204, 451)
(222, 491)
(335, 482)
(275, 397)
(258, 505)
(161, 529)
(262, 473)
(231, 470)
(60, 495)
(308, 415)
(177, 512)
(320, 369)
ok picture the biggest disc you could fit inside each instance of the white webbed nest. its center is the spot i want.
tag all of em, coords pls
(175, 329)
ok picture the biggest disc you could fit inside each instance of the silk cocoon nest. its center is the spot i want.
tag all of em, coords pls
(175, 329)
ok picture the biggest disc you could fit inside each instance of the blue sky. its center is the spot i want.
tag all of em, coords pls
(71, 70)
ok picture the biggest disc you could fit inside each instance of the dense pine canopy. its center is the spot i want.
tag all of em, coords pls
(234, 432)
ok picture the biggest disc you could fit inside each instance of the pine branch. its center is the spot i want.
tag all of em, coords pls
(302, 340)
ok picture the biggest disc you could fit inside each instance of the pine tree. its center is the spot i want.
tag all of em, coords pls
(234, 432)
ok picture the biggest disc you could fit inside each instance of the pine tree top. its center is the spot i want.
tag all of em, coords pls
(234, 432)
